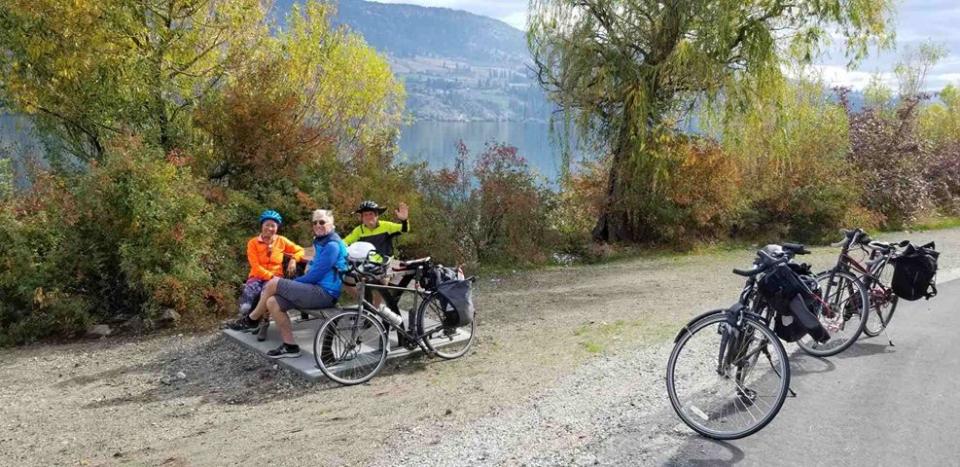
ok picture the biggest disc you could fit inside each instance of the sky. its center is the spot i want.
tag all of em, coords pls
(916, 21)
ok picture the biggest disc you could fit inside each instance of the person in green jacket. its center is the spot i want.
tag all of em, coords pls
(381, 234)
(377, 232)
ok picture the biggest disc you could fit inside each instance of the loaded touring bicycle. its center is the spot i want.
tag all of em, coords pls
(351, 346)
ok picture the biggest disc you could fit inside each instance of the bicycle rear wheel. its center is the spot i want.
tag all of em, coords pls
(882, 305)
(726, 381)
(843, 318)
(350, 348)
(442, 339)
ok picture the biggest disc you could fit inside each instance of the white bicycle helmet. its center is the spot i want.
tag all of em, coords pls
(359, 251)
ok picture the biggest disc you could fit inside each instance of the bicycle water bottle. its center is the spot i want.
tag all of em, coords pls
(388, 314)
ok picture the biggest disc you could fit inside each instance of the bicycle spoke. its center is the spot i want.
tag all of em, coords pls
(726, 407)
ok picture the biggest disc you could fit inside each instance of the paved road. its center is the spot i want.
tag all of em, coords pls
(871, 405)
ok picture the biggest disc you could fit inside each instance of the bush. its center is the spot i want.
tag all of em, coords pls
(943, 172)
(129, 237)
(492, 211)
(442, 228)
(701, 190)
(685, 190)
(580, 202)
(939, 124)
(512, 226)
(798, 184)
(889, 158)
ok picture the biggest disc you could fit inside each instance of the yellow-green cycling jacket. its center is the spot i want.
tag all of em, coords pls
(381, 237)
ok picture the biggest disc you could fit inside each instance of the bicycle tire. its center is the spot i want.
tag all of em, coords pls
(837, 325)
(332, 348)
(456, 340)
(707, 367)
(882, 312)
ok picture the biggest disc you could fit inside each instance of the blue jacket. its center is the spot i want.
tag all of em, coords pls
(329, 259)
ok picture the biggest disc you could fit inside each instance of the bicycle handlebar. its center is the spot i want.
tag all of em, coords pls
(767, 263)
(746, 272)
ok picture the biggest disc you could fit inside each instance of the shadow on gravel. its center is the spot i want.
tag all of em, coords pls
(706, 452)
(219, 371)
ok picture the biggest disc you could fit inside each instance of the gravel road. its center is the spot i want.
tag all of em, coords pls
(569, 362)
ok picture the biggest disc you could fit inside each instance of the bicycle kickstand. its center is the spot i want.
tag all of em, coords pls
(770, 361)
(889, 339)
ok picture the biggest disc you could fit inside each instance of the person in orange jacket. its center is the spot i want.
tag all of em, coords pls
(265, 253)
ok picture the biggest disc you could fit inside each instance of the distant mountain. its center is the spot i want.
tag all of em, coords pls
(409, 31)
(455, 65)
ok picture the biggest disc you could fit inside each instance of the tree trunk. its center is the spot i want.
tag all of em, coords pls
(613, 224)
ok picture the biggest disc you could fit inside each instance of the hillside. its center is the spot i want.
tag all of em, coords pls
(457, 66)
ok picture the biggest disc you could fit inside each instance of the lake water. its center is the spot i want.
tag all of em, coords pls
(430, 141)
(436, 143)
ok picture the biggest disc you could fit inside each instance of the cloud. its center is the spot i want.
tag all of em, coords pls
(836, 75)
(517, 19)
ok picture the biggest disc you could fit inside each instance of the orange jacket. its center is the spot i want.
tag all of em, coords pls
(266, 261)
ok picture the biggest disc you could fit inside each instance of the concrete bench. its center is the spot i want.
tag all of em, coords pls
(304, 332)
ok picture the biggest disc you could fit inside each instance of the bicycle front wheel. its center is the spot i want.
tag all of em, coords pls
(844, 315)
(727, 381)
(350, 348)
(443, 339)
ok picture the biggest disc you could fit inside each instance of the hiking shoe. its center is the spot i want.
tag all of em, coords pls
(244, 324)
(285, 351)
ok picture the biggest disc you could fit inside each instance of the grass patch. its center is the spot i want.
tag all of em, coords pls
(592, 347)
(597, 337)
(936, 223)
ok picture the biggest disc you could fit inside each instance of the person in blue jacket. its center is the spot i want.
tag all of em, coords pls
(318, 288)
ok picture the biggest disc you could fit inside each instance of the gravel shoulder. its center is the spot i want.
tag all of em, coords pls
(565, 358)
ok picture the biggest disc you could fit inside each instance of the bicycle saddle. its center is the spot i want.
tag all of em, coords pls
(410, 264)
(795, 248)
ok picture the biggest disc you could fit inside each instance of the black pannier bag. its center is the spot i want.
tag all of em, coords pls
(437, 275)
(456, 298)
(915, 272)
(796, 301)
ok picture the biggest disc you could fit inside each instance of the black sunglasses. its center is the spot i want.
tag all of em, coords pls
(319, 222)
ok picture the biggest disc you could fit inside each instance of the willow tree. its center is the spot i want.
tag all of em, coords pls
(86, 70)
(625, 67)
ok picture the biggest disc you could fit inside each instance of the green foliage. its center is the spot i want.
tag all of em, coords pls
(88, 70)
(686, 191)
(625, 67)
(940, 121)
(491, 211)
(6, 179)
(179, 121)
(797, 182)
(130, 236)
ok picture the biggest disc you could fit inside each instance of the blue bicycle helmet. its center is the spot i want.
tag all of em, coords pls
(271, 215)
